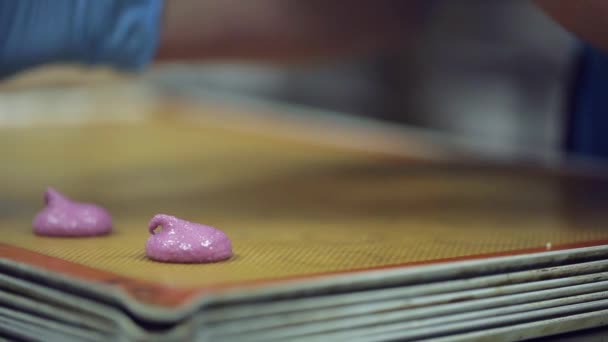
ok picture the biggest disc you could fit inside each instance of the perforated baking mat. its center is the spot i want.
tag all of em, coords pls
(293, 209)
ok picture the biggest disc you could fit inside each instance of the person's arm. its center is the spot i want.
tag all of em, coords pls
(284, 30)
(122, 34)
(125, 34)
(586, 18)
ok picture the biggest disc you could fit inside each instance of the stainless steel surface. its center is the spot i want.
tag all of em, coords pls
(525, 331)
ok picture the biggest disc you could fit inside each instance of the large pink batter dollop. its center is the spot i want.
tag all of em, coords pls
(181, 241)
(63, 217)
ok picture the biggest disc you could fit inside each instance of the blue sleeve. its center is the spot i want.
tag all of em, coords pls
(122, 34)
(588, 118)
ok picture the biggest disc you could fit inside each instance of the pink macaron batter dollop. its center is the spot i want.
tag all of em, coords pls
(180, 241)
(63, 217)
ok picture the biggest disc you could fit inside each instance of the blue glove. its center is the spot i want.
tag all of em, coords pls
(122, 34)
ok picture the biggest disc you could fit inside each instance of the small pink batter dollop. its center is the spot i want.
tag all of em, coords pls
(63, 217)
(181, 241)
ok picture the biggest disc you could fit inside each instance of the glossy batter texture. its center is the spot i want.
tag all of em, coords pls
(180, 241)
(64, 217)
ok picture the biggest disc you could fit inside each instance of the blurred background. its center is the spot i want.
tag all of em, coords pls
(494, 74)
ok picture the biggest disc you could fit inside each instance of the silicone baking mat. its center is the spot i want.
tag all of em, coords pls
(291, 208)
